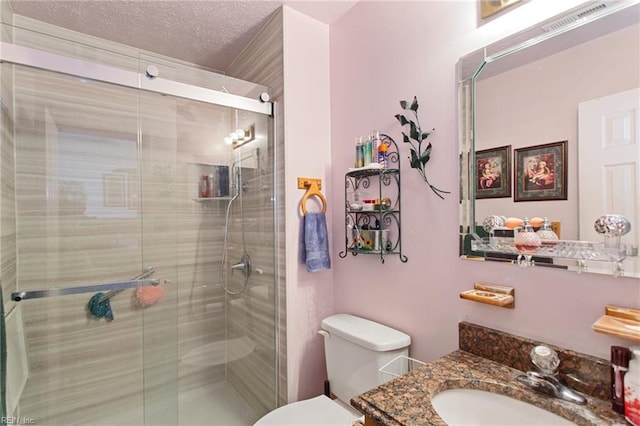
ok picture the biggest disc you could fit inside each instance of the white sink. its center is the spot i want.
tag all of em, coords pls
(476, 407)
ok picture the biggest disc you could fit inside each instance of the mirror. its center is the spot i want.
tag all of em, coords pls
(555, 93)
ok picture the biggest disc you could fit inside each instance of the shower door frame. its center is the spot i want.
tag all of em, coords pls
(35, 58)
(150, 82)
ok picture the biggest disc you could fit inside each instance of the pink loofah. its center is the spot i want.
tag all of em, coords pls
(149, 295)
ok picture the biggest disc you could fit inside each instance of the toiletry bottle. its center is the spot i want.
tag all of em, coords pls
(375, 139)
(211, 183)
(368, 151)
(546, 234)
(382, 156)
(359, 152)
(632, 388)
(204, 186)
(619, 365)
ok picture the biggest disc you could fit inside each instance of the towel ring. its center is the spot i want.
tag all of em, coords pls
(308, 194)
(313, 187)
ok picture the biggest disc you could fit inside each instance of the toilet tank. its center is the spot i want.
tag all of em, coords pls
(355, 349)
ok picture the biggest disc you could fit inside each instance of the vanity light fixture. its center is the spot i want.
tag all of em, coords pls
(243, 136)
(239, 137)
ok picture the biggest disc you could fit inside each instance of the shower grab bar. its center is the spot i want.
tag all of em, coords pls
(37, 294)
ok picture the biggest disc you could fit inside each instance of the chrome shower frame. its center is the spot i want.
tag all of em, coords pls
(20, 55)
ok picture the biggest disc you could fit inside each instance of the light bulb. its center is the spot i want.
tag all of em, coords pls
(240, 133)
(228, 140)
(233, 136)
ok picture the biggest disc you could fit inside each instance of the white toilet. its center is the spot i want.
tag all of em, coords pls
(355, 349)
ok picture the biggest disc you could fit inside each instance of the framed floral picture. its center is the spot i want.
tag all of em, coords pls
(493, 176)
(541, 172)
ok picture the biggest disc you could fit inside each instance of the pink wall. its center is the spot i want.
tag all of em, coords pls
(307, 154)
(382, 52)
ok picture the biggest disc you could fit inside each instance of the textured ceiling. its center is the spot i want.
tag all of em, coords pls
(209, 33)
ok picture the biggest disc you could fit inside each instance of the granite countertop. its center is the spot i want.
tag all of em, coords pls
(406, 400)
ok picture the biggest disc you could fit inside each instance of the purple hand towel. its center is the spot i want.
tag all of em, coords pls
(316, 242)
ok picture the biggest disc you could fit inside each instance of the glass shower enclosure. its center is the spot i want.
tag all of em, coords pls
(137, 240)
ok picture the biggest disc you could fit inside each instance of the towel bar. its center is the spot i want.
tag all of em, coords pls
(92, 288)
(108, 295)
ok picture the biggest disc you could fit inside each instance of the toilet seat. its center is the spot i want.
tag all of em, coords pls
(318, 411)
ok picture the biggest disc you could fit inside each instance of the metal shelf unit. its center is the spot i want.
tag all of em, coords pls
(376, 231)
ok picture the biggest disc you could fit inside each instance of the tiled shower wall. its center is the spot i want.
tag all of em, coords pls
(262, 61)
(82, 368)
(7, 181)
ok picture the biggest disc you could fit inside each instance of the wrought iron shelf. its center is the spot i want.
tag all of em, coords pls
(374, 212)
(371, 171)
(376, 231)
(356, 251)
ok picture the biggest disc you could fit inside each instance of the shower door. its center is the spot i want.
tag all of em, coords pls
(101, 190)
(87, 200)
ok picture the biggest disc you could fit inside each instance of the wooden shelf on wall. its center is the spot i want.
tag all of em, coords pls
(491, 294)
(620, 322)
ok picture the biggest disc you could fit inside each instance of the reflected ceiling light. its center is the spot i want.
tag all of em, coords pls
(244, 136)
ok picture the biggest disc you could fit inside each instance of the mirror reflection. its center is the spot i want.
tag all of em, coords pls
(554, 115)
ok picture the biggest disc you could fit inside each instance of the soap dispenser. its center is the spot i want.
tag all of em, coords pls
(546, 234)
(526, 240)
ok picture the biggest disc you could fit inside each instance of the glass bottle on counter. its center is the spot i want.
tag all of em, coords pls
(526, 240)
(546, 234)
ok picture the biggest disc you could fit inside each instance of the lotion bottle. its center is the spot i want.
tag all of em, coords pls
(546, 234)
(632, 388)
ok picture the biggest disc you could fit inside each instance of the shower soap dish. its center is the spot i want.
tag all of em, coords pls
(491, 294)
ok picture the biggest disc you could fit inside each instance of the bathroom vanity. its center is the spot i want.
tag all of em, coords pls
(489, 360)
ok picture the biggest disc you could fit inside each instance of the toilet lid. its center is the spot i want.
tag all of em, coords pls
(315, 411)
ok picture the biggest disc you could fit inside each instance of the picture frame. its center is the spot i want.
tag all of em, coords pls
(540, 172)
(491, 7)
(493, 176)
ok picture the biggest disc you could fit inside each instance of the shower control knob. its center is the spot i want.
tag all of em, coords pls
(152, 71)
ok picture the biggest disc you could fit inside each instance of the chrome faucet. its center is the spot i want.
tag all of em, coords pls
(545, 381)
(244, 265)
